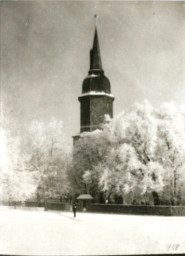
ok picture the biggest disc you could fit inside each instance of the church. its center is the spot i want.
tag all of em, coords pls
(96, 99)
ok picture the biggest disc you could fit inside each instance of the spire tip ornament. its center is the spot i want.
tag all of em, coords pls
(95, 17)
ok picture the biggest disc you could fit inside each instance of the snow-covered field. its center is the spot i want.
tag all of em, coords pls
(58, 233)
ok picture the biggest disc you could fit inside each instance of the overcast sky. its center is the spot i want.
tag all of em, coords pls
(45, 55)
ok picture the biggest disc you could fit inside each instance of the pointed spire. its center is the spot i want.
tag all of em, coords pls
(95, 57)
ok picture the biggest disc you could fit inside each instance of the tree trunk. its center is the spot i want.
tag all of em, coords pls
(45, 204)
(175, 187)
(172, 188)
(156, 198)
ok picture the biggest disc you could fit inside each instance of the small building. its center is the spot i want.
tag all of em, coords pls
(84, 201)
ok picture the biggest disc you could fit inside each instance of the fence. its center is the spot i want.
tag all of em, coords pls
(138, 209)
(162, 210)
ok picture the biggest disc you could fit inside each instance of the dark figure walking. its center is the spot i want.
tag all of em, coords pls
(74, 210)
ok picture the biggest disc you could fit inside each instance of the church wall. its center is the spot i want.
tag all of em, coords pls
(99, 106)
(85, 114)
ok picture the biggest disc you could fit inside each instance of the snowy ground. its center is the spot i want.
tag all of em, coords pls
(58, 233)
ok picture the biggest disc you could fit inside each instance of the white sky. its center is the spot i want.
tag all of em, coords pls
(45, 56)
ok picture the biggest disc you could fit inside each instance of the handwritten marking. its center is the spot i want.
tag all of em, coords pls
(173, 247)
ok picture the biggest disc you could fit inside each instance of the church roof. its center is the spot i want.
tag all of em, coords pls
(95, 57)
(85, 197)
(98, 83)
(96, 80)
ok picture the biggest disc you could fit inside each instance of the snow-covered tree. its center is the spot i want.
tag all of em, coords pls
(47, 158)
(148, 148)
(89, 150)
(16, 183)
(137, 155)
(171, 151)
(132, 164)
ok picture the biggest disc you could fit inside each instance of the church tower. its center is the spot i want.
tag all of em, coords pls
(96, 99)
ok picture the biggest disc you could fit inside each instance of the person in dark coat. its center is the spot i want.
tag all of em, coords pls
(74, 210)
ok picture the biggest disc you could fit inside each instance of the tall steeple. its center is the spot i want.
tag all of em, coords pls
(96, 99)
(95, 57)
